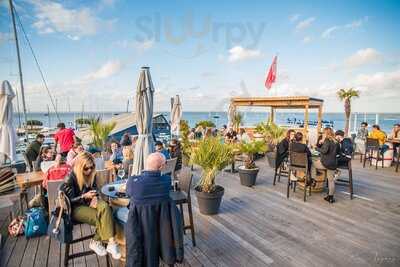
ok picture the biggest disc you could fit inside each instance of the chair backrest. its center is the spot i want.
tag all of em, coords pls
(185, 180)
(169, 167)
(372, 143)
(45, 165)
(298, 160)
(52, 192)
(29, 166)
(103, 177)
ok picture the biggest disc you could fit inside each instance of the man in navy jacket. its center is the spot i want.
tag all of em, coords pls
(154, 227)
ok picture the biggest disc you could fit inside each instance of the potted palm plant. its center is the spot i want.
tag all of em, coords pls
(100, 132)
(273, 134)
(248, 172)
(212, 156)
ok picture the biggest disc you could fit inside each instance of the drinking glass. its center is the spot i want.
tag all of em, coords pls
(121, 173)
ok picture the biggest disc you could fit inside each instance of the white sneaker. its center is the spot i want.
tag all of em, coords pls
(98, 248)
(113, 249)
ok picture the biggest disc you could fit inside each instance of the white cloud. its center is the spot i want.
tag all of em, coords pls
(328, 32)
(239, 53)
(356, 23)
(380, 83)
(363, 57)
(139, 46)
(304, 24)
(4, 37)
(106, 70)
(75, 23)
(306, 40)
(294, 17)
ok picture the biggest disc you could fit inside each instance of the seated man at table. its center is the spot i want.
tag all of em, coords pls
(379, 135)
(345, 150)
(154, 228)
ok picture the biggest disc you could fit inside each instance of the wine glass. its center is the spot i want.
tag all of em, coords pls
(121, 173)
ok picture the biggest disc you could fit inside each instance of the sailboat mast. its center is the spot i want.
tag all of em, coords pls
(19, 62)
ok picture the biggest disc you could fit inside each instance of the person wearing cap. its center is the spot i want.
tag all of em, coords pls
(160, 148)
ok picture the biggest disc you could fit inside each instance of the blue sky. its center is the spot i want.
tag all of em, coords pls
(91, 51)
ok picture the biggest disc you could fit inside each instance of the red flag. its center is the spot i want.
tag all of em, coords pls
(271, 77)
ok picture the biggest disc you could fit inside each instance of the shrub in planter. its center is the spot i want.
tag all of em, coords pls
(212, 156)
(248, 172)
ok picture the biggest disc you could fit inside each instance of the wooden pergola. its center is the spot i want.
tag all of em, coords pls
(283, 102)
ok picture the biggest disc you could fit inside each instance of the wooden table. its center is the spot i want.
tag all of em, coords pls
(27, 180)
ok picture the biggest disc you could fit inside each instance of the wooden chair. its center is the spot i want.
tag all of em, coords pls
(183, 197)
(299, 163)
(28, 164)
(348, 182)
(52, 193)
(169, 167)
(372, 148)
(279, 170)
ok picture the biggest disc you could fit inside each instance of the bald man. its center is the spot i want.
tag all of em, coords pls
(150, 186)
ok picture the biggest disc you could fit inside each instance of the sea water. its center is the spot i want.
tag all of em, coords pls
(385, 120)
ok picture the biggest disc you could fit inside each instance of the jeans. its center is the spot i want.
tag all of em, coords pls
(100, 217)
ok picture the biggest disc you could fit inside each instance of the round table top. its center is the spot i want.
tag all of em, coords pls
(111, 190)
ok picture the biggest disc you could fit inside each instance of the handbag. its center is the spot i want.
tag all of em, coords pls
(16, 227)
(60, 226)
(35, 223)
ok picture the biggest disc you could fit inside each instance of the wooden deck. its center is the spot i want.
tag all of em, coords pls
(259, 227)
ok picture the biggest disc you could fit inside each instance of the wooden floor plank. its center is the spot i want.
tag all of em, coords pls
(7, 250)
(54, 258)
(42, 252)
(30, 252)
(91, 260)
(18, 252)
(78, 247)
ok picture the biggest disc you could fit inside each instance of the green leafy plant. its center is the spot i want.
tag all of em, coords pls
(346, 95)
(184, 132)
(237, 120)
(100, 131)
(205, 124)
(83, 121)
(250, 149)
(271, 132)
(212, 155)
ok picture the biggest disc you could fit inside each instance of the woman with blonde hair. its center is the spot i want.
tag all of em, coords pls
(329, 149)
(80, 187)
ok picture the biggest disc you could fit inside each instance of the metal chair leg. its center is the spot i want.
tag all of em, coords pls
(276, 171)
(66, 255)
(351, 182)
(288, 185)
(191, 223)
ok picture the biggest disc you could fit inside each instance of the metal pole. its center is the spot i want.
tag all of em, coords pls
(19, 62)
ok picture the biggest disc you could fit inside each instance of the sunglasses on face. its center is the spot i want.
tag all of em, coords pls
(88, 168)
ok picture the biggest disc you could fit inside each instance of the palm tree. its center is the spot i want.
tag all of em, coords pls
(346, 95)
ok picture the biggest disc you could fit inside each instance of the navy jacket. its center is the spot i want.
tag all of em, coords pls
(154, 227)
(282, 152)
(329, 150)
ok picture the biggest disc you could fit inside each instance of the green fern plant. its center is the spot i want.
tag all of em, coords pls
(212, 155)
(100, 131)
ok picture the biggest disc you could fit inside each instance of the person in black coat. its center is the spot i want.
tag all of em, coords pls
(154, 227)
(299, 147)
(328, 149)
(345, 150)
(282, 149)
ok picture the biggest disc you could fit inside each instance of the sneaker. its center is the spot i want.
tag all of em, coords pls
(98, 248)
(113, 249)
(337, 174)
